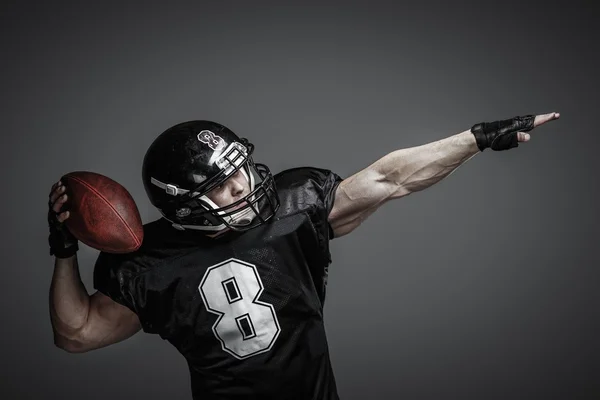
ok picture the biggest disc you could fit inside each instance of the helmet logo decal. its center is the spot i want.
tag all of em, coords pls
(213, 141)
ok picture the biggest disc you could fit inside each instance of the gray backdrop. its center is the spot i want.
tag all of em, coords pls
(483, 286)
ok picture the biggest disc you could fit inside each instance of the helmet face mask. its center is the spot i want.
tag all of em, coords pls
(246, 213)
(188, 161)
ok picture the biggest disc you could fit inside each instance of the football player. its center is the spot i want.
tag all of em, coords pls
(234, 273)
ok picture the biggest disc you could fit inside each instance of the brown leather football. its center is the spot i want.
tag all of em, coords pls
(102, 213)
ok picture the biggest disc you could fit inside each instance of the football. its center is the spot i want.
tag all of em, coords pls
(102, 213)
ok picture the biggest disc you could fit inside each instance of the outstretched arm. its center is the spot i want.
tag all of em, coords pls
(410, 170)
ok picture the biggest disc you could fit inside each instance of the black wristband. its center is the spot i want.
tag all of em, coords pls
(501, 135)
(58, 250)
(62, 242)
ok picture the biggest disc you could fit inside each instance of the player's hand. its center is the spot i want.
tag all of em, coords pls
(506, 134)
(62, 242)
(58, 197)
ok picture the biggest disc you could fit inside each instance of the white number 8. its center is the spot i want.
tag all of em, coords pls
(246, 327)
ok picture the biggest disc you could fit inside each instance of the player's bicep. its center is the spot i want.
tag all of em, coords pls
(108, 322)
(356, 198)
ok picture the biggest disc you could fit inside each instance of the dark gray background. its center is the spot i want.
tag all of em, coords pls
(483, 286)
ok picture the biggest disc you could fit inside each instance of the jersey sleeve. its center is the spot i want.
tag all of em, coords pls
(114, 278)
(310, 189)
(114, 281)
(324, 184)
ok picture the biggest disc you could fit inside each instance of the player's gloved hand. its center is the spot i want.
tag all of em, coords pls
(62, 242)
(502, 135)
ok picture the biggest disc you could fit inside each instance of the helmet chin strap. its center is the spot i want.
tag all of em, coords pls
(241, 218)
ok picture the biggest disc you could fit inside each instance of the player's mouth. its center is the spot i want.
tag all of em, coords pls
(242, 204)
(237, 207)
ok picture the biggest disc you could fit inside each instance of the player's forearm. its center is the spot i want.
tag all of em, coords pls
(69, 300)
(416, 168)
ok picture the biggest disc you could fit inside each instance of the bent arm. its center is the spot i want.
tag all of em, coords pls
(81, 322)
(395, 175)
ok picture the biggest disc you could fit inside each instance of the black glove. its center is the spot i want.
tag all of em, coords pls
(62, 242)
(501, 135)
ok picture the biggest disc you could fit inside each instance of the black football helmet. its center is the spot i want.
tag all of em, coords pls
(188, 160)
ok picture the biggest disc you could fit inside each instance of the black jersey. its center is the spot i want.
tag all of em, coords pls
(245, 309)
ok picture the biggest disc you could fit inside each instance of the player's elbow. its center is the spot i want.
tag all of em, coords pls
(70, 345)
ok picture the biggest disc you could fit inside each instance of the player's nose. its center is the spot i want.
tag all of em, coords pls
(236, 188)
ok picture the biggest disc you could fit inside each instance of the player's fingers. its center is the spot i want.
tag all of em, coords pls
(55, 185)
(62, 216)
(59, 202)
(543, 118)
(56, 193)
(523, 137)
